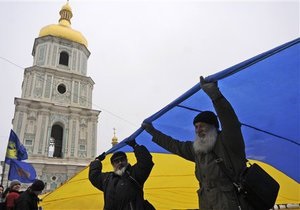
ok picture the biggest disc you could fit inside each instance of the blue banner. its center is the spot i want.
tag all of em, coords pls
(22, 171)
(15, 150)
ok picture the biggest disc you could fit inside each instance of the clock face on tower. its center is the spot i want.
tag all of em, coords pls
(61, 88)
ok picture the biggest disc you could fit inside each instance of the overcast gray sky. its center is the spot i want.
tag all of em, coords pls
(144, 54)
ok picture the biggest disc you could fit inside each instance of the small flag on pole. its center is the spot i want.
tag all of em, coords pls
(15, 150)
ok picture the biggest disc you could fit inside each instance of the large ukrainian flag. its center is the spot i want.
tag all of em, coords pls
(265, 93)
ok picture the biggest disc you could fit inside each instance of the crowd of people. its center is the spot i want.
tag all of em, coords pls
(12, 198)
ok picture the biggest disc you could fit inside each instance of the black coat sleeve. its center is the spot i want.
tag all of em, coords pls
(96, 177)
(181, 148)
(231, 127)
(144, 165)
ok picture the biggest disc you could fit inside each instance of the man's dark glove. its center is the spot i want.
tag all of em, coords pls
(131, 143)
(101, 157)
(148, 127)
(210, 88)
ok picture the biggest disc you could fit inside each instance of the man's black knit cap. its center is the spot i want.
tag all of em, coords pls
(207, 117)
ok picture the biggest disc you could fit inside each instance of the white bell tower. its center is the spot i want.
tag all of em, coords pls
(54, 118)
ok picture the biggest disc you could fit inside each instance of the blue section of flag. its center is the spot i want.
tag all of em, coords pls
(22, 171)
(264, 91)
(15, 150)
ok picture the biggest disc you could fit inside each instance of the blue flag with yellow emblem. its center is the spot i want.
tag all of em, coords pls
(22, 171)
(15, 150)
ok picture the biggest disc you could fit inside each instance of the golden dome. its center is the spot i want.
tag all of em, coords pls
(114, 140)
(63, 28)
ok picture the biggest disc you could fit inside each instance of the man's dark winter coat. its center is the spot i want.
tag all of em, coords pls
(217, 191)
(123, 192)
(27, 201)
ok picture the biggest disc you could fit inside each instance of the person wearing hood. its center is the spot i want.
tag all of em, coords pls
(210, 147)
(29, 200)
(122, 187)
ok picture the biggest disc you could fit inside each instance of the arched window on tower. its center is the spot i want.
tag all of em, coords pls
(64, 58)
(57, 136)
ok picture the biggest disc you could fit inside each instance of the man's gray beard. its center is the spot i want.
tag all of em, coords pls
(205, 144)
(121, 171)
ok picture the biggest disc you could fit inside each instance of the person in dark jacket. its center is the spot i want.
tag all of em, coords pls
(123, 187)
(209, 148)
(29, 200)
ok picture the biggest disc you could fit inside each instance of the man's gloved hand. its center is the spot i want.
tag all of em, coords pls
(131, 143)
(101, 157)
(148, 127)
(210, 88)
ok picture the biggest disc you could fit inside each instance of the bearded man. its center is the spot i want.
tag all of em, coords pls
(210, 147)
(122, 187)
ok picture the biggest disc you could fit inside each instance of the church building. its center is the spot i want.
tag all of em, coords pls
(53, 117)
